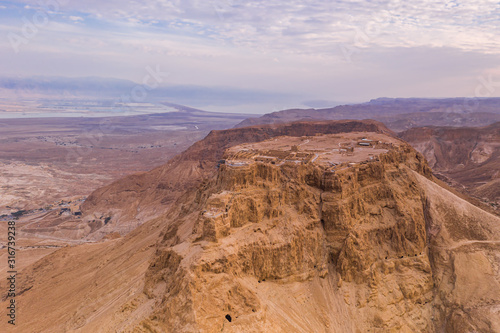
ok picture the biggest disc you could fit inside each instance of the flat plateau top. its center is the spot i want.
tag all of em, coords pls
(327, 150)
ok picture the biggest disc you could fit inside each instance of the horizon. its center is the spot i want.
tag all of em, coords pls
(250, 165)
(329, 52)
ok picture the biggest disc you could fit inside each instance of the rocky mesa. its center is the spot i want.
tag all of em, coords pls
(304, 227)
(133, 200)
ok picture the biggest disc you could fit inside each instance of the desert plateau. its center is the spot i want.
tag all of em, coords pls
(340, 222)
(238, 166)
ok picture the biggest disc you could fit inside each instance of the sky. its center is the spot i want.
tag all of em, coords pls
(314, 50)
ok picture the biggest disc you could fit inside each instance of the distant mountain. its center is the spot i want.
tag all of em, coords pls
(62, 85)
(96, 87)
(398, 113)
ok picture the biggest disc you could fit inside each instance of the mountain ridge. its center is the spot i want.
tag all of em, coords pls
(398, 114)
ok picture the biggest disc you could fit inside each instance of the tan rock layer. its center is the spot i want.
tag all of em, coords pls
(363, 228)
(375, 247)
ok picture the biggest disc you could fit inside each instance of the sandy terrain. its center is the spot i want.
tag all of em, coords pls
(46, 160)
(25, 186)
(47, 163)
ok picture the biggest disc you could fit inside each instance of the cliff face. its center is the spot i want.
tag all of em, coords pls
(301, 242)
(295, 248)
(135, 199)
(468, 158)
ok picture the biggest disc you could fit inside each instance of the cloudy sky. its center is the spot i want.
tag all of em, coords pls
(343, 51)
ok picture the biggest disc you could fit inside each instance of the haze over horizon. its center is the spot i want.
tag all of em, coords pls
(250, 166)
(326, 51)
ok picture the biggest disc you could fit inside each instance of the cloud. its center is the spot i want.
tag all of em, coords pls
(312, 26)
(397, 48)
(76, 18)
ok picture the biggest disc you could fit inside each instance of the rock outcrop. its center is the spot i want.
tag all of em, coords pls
(137, 198)
(468, 158)
(298, 244)
(358, 232)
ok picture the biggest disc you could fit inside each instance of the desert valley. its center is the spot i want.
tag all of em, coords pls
(346, 223)
(233, 166)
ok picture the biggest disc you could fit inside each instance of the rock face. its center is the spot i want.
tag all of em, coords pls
(291, 244)
(468, 158)
(359, 242)
(135, 199)
(357, 234)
